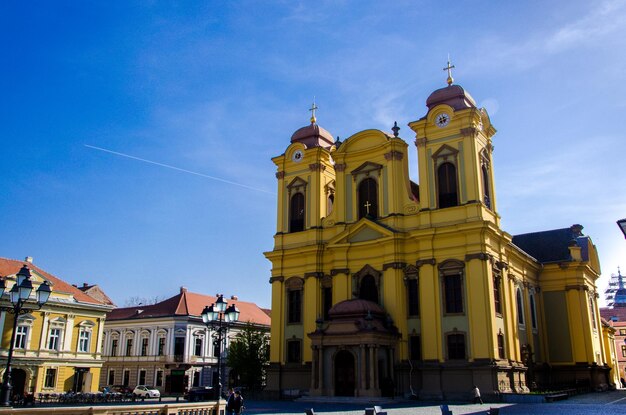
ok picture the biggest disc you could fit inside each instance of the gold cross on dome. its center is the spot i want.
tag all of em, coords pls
(312, 109)
(449, 69)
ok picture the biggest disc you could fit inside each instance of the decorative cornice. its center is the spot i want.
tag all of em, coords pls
(394, 265)
(514, 278)
(317, 167)
(279, 279)
(313, 274)
(471, 131)
(429, 261)
(394, 155)
(502, 265)
(340, 167)
(336, 271)
(483, 256)
(280, 174)
(578, 287)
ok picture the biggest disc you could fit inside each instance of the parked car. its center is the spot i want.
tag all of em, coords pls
(144, 391)
(120, 389)
(200, 393)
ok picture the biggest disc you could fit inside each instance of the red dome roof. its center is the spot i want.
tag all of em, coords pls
(452, 95)
(356, 308)
(313, 136)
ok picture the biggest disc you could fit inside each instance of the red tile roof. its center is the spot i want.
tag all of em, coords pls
(618, 312)
(96, 292)
(188, 304)
(12, 266)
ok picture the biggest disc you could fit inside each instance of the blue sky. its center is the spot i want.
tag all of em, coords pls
(217, 88)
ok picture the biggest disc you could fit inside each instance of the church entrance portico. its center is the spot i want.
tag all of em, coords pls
(353, 353)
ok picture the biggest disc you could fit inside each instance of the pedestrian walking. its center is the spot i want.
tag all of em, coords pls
(476, 393)
(237, 406)
(230, 401)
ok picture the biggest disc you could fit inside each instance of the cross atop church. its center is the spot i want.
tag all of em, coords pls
(449, 69)
(312, 109)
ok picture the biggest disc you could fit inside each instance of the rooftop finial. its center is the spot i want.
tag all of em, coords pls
(449, 69)
(312, 109)
(395, 129)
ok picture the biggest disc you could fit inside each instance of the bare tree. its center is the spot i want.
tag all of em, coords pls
(136, 300)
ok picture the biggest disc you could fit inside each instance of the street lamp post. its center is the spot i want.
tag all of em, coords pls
(19, 296)
(219, 317)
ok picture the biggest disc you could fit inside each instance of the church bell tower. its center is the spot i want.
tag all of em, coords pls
(454, 153)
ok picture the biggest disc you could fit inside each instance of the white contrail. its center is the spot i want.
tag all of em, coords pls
(178, 169)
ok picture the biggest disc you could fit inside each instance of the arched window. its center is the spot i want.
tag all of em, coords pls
(520, 307)
(329, 204)
(411, 274)
(447, 186)
(501, 351)
(592, 310)
(453, 293)
(368, 289)
(497, 300)
(486, 193)
(533, 312)
(368, 198)
(456, 346)
(329, 189)
(294, 287)
(451, 274)
(296, 213)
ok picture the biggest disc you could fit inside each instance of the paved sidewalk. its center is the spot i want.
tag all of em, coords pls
(608, 403)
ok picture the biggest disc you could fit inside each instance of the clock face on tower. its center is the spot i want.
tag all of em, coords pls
(442, 120)
(297, 156)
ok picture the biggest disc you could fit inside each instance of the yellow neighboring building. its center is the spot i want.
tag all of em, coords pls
(381, 286)
(58, 347)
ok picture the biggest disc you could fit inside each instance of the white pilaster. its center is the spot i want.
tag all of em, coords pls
(67, 335)
(100, 335)
(44, 331)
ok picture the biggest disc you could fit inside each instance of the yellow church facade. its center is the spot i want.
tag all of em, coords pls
(385, 287)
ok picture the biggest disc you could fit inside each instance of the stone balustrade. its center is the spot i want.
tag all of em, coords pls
(164, 408)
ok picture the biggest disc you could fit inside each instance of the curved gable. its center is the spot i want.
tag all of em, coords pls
(364, 140)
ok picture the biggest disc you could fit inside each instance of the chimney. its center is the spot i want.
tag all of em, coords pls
(234, 297)
(575, 251)
(29, 259)
(85, 285)
(183, 290)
